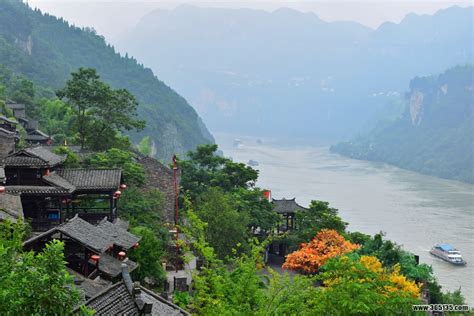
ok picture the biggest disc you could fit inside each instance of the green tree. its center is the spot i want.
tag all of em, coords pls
(100, 111)
(318, 216)
(205, 169)
(227, 228)
(72, 159)
(148, 256)
(33, 284)
(144, 146)
(56, 119)
(133, 173)
(143, 208)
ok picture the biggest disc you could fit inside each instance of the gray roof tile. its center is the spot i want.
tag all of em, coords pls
(10, 207)
(34, 157)
(120, 236)
(92, 179)
(287, 206)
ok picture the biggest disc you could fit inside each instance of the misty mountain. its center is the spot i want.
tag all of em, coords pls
(290, 73)
(435, 133)
(46, 50)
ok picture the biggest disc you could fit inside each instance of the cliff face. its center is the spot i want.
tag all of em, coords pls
(434, 135)
(46, 50)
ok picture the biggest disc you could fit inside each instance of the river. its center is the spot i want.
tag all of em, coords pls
(414, 210)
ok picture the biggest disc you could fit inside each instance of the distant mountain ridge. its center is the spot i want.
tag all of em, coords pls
(288, 72)
(46, 50)
(435, 134)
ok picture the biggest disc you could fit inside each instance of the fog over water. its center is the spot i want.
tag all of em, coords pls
(414, 210)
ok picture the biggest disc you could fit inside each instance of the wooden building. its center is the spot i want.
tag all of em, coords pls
(94, 253)
(287, 208)
(51, 194)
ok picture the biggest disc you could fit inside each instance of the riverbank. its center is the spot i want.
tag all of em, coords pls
(414, 210)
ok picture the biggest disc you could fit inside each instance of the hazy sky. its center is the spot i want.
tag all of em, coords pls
(111, 18)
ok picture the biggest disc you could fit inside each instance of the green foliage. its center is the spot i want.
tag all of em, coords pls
(205, 169)
(438, 297)
(133, 173)
(438, 140)
(385, 250)
(33, 284)
(99, 110)
(72, 159)
(227, 228)
(144, 146)
(182, 299)
(142, 208)
(244, 207)
(56, 118)
(148, 256)
(310, 222)
(258, 209)
(356, 288)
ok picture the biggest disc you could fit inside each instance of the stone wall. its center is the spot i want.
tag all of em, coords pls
(160, 177)
(7, 144)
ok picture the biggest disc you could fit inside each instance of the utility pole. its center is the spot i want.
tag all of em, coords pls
(176, 214)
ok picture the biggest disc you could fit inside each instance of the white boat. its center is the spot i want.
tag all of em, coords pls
(448, 253)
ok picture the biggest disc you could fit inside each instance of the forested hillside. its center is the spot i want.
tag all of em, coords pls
(434, 135)
(46, 50)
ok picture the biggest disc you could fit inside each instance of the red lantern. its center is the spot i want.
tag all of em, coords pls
(96, 258)
(2, 189)
(123, 187)
(122, 254)
(117, 194)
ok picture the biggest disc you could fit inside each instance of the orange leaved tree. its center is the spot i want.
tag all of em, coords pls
(311, 256)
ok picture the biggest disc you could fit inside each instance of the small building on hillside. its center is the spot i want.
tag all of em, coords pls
(129, 298)
(287, 208)
(51, 194)
(95, 252)
(19, 109)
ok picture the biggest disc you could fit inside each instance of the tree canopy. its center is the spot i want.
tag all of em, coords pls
(99, 111)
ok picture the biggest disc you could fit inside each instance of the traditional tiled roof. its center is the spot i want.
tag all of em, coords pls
(10, 207)
(112, 266)
(86, 234)
(34, 157)
(37, 135)
(36, 190)
(92, 179)
(6, 119)
(81, 231)
(7, 132)
(120, 236)
(88, 286)
(287, 206)
(126, 298)
(56, 180)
